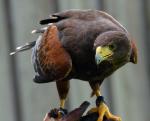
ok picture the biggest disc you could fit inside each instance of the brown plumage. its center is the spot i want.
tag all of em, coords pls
(53, 58)
(80, 44)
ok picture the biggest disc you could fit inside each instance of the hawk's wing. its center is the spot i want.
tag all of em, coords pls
(51, 61)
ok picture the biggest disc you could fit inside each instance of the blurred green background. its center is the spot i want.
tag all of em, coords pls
(127, 92)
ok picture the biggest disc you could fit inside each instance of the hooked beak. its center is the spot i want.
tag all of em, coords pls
(102, 53)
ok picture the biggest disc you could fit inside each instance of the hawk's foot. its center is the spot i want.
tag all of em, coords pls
(103, 110)
(57, 113)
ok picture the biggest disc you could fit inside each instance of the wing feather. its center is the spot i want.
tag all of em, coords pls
(51, 60)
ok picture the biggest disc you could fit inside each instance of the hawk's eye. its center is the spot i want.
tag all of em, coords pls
(112, 46)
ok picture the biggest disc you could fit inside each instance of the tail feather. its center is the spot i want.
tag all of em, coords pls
(42, 30)
(51, 19)
(27, 46)
(35, 31)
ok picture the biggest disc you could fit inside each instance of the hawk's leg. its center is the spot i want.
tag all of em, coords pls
(101, 108)
(63, 88)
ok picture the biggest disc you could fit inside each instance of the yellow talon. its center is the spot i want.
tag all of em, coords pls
(92, 110)
(103, 110)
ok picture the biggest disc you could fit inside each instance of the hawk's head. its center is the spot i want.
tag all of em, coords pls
(115, 47)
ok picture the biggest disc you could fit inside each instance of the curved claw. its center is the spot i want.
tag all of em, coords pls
(103, 110)
(57, 113)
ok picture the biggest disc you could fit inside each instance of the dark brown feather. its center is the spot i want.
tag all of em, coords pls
(63, 88)
(53, 58)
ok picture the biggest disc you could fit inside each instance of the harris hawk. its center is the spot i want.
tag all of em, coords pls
(80, 44)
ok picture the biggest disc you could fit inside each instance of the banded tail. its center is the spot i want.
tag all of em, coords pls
(25, 47)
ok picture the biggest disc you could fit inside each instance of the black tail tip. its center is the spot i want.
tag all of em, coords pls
(45, 21)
